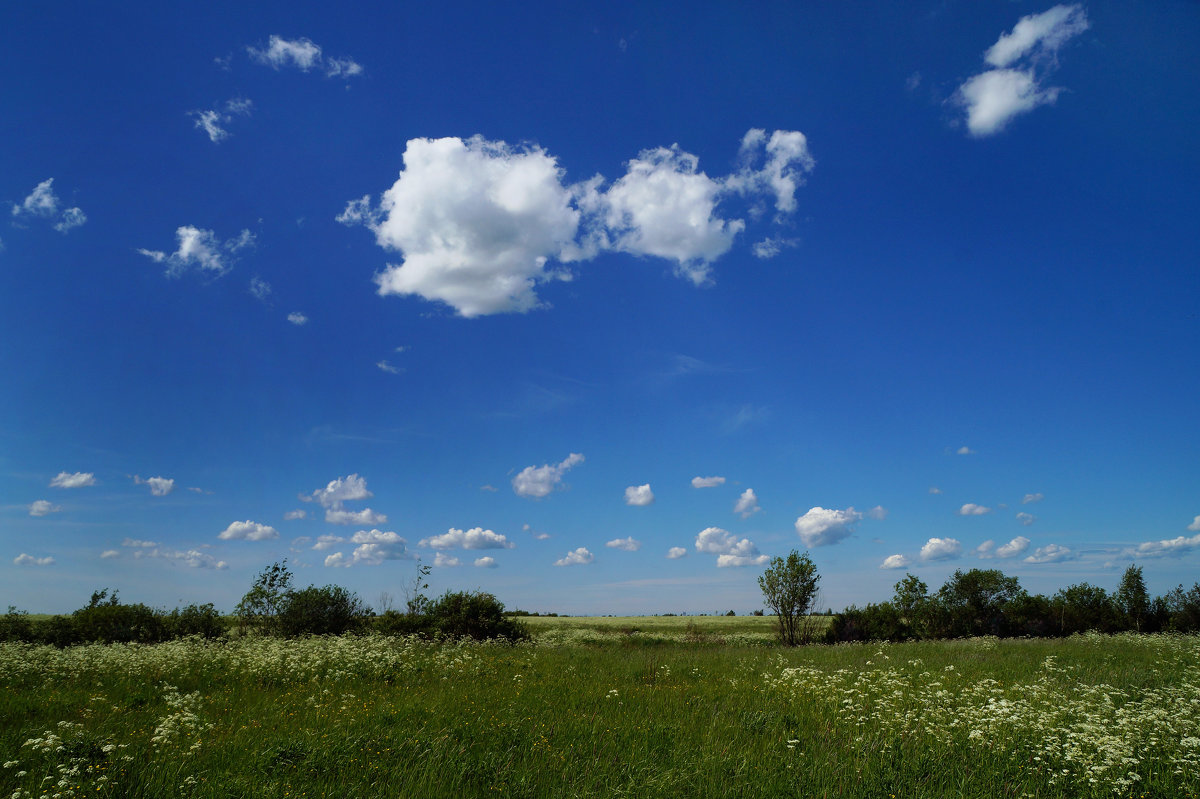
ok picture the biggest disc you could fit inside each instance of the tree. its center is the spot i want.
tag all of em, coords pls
(789, 589)
(912, 602)
(974, 601)
(1132, 597)
(331, 610)
(261, 605)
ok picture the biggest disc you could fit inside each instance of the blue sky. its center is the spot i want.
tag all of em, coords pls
(596, 308)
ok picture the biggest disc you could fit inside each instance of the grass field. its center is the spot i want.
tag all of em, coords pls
(604, 707)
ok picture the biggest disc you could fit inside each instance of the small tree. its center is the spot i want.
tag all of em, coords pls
(261, 605)
(789, 589)
(331, 610)
(1132, 597)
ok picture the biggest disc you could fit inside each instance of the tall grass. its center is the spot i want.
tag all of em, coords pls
(373, 716)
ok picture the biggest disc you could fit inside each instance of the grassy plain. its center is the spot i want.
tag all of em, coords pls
(586, 712)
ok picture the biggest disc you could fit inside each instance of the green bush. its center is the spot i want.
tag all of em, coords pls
(331, 610)
(202, 620)
(111, 622)
(473, 614)
(15, 625)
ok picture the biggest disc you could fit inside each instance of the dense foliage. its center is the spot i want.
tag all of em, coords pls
(789, 587)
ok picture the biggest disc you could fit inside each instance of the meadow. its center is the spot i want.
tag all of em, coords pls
(656, 706)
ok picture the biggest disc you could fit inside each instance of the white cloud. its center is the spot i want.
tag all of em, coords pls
(1028, 498)
(475, 538)
(539, 481)
(354, 517)
(76, 480)
(629, 544)
(540, 536)
(376, 546)
(747, 504)
(343, 489)
(136, 543)
(43, 507)
(384, 366)
(770, 247)
(42, 203)
(328, 542)
(292, 515)
(879, 513)
(335, 560)
(895, 562)
(674, 553)
(1195, 525)
(1051, 553)
(301, 53)
(213, 121)
(1026, 518)
(964, 450)
(728, 549)
(971, 509)
(479, 223)
(192, 558)
(297, 318)
(342, 68)
(248, 531)
(159, 486)
(108, 554)
(822, 526)
(1013, 548)
(993, 98)
(486, 562)
(259, 288)
(934, 490)
(639, 496)
(1168, 546)
(442, 560)
(707, 482)
(941, 549)
(202, 250)
(576, 557)
(30, 560)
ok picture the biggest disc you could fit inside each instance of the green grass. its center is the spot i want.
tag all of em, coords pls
(619, 716)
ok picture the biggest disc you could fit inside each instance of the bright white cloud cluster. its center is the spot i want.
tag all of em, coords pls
(823, 526)
(629, 544)
(352, 518)
(941, 549)
(248, 531)
(1169, 546)
(43, 203)
(747, 504)
(988, 549)
(674, 553)
(76, 480)
(345, 489)
(159, 486)
(302, 54)
(215, 121)
(42, 507)
(475, 538)
(576, 557)
(1051, 553)
(29, 560)
(376, 546)
(486, 562)
(200, 249)
(442, 560)
(971, 509)
(729, 550)
(639, 496)
(895, 562)
(538, 481)
(480, 222)
(707, 482)
(1014, 86)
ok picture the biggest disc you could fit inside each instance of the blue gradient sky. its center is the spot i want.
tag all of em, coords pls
(918, 277)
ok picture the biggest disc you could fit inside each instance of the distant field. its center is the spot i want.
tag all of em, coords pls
(746, 630)
(371, 716)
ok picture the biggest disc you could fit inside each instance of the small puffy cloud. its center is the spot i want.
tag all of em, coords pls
(328, 542)
(540, 536)
(674, 553)
(1026, 518)
(971, 509)
(1051, 553)
(343, 489)
(707, 482)
(475, 538)
(43, 203)
(988, 549)
(747, 504)
(538, 481)
(159, 486)
(76, 480)
(109, 554)
(878, 513)
(895, 562)
(298, 319)
(200, 249)
(934, 490)
(336, 560)
(214, 121)
(1195, 525)
(442, 560)
(304, 55)
(376, 546)
(354, 517)
(1020, 60)
(629, 544)
(486, 562)
(248, 531)
(43, 507)
(941, 549)
(30, 560)
(823, 526)
(785, 161)
(135, 543)
(192, 558)
(729, 550)
(964, 450)
(1030, 498)
(639, 496)
(1168, 546)
(576, 557)
(292, 515)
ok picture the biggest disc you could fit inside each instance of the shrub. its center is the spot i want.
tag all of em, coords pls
(473, 614)
(331, 610)
(15, 625)
(111, 622)
(202, 620)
